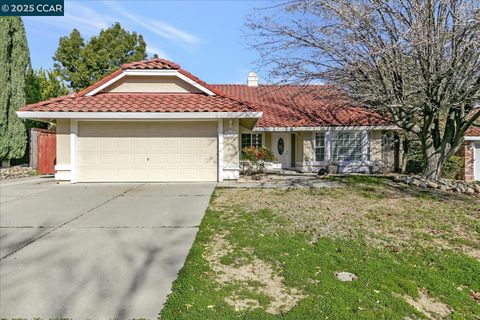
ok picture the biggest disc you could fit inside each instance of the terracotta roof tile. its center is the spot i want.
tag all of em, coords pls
(98, 83)
(282, 106)
(158, 64)
(303, 106)
(473, 132)
(140, 102)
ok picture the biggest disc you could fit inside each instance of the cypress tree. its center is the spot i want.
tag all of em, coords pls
(14, 66)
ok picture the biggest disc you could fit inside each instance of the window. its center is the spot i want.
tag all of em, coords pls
(251, 140)
(320, 146)
(347, 146)
(280, 146)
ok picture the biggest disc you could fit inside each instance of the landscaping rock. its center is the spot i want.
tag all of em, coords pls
(470, 190)
(16, 172)
(432, 185)
(346, 276)
(458, 186)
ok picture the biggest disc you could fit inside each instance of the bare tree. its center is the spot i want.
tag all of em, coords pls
(416, 61)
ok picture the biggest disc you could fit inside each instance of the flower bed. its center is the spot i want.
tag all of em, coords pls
(255, 160)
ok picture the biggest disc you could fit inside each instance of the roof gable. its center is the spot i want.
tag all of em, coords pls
(151, 68)
(151, 84)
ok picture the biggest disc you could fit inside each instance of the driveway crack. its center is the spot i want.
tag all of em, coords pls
(69, 221)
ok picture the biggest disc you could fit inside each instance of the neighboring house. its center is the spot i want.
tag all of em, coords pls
(153, 121)
(472, 154)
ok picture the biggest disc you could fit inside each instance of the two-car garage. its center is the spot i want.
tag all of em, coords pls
(146, 151)
(150, 121)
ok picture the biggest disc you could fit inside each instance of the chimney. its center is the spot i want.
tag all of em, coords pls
(252, 80)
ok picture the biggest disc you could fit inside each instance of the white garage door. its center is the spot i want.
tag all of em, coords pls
(147, 151)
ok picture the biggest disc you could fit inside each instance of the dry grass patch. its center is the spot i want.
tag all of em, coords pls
(428, 306)
(385, 213)
(268, 282)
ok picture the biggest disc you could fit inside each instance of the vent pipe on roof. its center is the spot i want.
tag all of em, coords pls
(252, 80)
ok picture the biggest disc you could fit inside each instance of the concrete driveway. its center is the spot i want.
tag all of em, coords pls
(97, 251)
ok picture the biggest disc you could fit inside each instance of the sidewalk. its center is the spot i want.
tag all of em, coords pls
(23, 180)
(275, 181)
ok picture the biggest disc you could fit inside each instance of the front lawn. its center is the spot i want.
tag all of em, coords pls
(274, 254)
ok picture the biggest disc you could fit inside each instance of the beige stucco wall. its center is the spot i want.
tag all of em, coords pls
(63, 141)
(151, 84)
(231, 143)
(376, 145)
(268, 140)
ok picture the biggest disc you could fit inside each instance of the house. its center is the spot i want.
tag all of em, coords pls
(471, 154)
(153, 121)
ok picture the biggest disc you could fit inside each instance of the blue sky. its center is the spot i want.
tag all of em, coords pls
(204, 37)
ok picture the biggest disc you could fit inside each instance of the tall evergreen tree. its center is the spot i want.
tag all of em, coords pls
(14, 67)
(82, 63)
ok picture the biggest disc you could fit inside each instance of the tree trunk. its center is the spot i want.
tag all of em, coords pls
(5, 163)
(433, 166)
(405, 149)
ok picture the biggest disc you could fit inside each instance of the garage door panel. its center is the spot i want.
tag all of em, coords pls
(156, 144)
(87, 158)
(161, 151)
(157, 159)
(107, 158)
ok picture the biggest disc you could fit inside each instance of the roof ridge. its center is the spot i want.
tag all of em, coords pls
(150, 93)
(170, 64)
(272, 85)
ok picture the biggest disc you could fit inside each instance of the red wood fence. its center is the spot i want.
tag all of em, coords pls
(47, 151)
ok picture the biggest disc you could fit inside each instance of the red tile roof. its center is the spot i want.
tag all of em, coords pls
(140, 102)
(157, 64)
(282, 106)
(303, 106)
(473, 132)
(98, 83)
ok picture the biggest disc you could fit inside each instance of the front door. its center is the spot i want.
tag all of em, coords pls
(281, 148)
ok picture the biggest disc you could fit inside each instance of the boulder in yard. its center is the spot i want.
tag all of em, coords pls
(345, 276)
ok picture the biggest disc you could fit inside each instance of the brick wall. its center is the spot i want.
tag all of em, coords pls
(468, 152)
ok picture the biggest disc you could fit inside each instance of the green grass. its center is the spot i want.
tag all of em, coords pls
(394, 258)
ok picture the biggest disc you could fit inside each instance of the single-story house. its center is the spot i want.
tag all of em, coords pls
(472, 154)
(153, 121)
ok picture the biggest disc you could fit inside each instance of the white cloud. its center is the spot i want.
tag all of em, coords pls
(80, 17)
(174, 33)
(151, 50)
(160, 28)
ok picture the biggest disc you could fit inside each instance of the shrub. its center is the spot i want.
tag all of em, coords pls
(453, 167)
(414, 166)
(255, 155)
